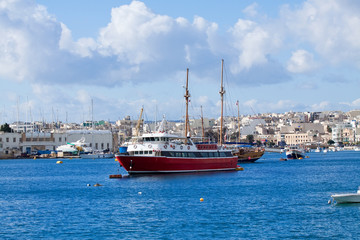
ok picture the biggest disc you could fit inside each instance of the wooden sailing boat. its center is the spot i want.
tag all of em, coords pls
(244, 154)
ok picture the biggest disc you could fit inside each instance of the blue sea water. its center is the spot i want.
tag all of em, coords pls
(270, 199)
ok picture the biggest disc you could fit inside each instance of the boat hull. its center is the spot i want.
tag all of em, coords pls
(95, 155)
(249, 156)
(346, 198)
(160, 164)
(294, 155)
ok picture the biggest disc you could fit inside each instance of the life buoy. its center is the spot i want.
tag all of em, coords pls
(188, 147)
(149, 146)
(165, 146)
(135, 146)
(181, 147)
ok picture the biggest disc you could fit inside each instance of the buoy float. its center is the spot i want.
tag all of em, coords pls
(115, 176)
(59, 162)
(139, 193)
(115, 160)
(201, 199)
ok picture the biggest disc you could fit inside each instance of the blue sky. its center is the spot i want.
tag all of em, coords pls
(55, 56)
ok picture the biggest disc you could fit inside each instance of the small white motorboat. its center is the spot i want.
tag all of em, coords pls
(347, 197)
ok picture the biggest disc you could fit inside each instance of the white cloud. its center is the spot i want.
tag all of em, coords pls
(133, 33)
(84, 47)
(324, 105)
(301, 61)
(28, 39)
(83, 96)
(251, 10)
(253, 43)
(333, 29)
(356, 103)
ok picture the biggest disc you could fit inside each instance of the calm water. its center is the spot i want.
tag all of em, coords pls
(270, 199)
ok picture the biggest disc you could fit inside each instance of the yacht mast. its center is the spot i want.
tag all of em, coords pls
(202, 125)
(187, 96)
(237, 103)
(222, 92)
(138, 123)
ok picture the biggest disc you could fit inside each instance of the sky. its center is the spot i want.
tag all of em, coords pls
(88, 59)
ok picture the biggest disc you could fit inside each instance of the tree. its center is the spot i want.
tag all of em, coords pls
(211, 135)
(5, 128)
(329, 130)
(330, 142)
(250, 138)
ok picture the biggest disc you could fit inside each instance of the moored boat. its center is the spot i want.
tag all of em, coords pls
(97, 154)
(347, 197)
(295, 152)
(74, 148)
(161, 152)
(246, 154)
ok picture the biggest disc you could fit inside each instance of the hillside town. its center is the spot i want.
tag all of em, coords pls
(271, 130)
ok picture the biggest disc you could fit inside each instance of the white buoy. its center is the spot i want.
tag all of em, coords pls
(139, 193)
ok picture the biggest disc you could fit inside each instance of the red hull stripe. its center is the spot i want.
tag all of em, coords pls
(150, 164)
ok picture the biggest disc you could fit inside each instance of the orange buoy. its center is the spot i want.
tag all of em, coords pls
(115, 176)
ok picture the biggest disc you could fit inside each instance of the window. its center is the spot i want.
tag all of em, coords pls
(107, 145)
(7, 139)
(0, 139)
(191, 154)
(59, 139)
(204, 154)
(14, 139)
(102, 145)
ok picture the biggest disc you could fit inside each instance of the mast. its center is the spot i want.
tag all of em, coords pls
(138, 123)
(222, 92)
(202, 125)
(187, 95)
(92, 114)
(238, 118)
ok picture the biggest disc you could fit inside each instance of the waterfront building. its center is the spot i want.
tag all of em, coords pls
(341, 132)
(22, 127)
(9, 144)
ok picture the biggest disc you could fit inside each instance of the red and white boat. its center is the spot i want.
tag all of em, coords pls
(161, 152)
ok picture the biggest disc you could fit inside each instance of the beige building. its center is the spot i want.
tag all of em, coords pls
(294, 138)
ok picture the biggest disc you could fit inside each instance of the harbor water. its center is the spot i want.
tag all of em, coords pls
(270, 199)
